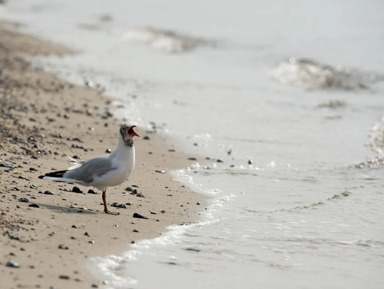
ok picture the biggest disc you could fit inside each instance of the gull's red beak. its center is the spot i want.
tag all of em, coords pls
(132, 132)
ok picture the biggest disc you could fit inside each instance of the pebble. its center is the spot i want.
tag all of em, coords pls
(90, 191)
(91, 242)
(23, 200)
(160, 171)
(76, 189)
(12, 264)
(140, 195)
(48, 193)
(250, 162)
(33, 206)
(7, 165)
(137, 215)
(64, 277)
(108, 151)
(116, 205)
(63, 247)
(192, 159)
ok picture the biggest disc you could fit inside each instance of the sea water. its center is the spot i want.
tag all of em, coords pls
(283, 101)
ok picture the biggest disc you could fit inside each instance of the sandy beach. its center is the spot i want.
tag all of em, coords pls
(49, 230)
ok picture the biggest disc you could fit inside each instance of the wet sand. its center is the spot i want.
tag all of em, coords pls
(48, 231)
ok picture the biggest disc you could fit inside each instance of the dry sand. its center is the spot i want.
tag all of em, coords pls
(46, 228)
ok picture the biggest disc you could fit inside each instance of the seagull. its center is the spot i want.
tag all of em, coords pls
(103, 171)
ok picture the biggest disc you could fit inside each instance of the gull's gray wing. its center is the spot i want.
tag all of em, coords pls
(92, 168)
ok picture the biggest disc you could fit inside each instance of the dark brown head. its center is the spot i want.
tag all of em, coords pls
(128, 133)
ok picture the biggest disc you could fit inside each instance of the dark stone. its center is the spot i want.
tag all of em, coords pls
(64, 277)
(192, 159)
(193, 249)
(250, 162)
(63, 247)
(34, 206)
(138, 216)
(23, 200)
(90, 191)
(128, 189)
(76, 189)
(108, 151)
(140, 195)
(160, 171)
(146, 137)
(48, 193)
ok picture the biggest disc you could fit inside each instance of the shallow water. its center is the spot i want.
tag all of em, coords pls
(297, 199)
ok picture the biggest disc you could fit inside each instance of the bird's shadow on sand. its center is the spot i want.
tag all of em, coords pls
(67, 210)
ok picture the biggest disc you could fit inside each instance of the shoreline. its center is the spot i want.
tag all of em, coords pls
(48, 230)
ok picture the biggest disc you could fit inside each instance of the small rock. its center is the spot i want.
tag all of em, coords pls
(91, 242)
(140, 195)
(219, 161)
(86, 234)
(137, 215)
(63, 247)
(33, 206)
(7, 165)
(129, 189)
(76, 189)
(198, 203)
(90, 191)
(135, 231)
(250, 162)
(192, 159)
(23, 200)
(134, 192)
(12, 264)
(108, 151)
(48, 193)
(74, 226)
(64, 277)
(160, 171)
(146, 137)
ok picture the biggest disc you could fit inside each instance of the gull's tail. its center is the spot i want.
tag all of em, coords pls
(58, 176)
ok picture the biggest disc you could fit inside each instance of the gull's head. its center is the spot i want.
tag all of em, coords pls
(127, 132)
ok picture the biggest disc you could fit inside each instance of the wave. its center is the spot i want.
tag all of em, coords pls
(309, 74)
(376, 137)
(164, 40)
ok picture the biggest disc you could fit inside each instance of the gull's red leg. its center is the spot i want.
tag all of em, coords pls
(105, 204)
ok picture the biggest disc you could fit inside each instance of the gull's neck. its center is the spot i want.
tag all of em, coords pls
(123, 151)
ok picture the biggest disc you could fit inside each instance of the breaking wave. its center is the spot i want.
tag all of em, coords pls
(310, 74)
(376, 137)
(164, 40)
